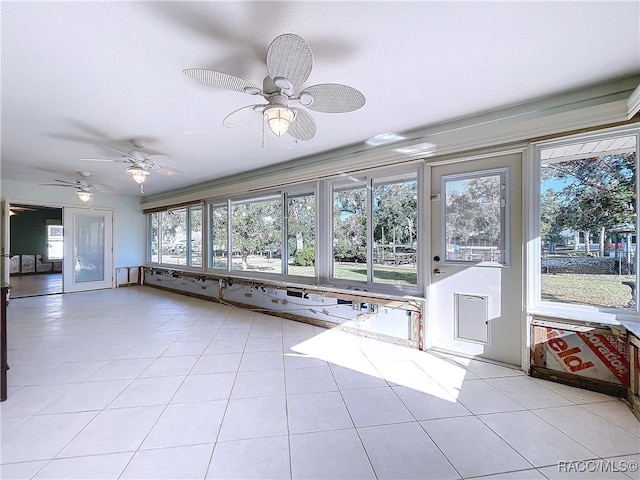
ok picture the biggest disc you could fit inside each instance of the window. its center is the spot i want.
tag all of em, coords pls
(154, 234)
(474, 217)
(395, 231)
(350, 233)
(219, 244)
(301, 234)
(175, 236)
(375, 237)
(372, 239)
(55, 242)
(588, 221)
(195, 236)
(256, 235)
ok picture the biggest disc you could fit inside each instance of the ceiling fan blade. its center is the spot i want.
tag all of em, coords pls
(65, 182)
(219, 79)
(119, 160)
(124, 154)
(334, 98)
(58, 185)
(303, 126)
(170, 171)
(290, 57)
(241, 116)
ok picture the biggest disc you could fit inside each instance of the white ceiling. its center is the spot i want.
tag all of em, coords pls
(77, 76)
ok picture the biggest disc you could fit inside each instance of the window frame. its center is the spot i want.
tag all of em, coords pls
(322, 190)
(505, 215)
(570, 311)
(369, 179)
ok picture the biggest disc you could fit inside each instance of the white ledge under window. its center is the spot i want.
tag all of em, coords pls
(582, 315)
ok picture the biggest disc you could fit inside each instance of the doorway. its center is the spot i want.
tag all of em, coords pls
(476, 251)
(35, 250)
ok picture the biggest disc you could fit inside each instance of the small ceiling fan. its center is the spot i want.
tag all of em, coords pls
(289, 63)
(141, 163)
(84, 189)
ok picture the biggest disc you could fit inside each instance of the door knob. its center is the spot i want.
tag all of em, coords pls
(436, 271)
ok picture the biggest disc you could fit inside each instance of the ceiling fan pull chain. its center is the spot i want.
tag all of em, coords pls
(263, 122)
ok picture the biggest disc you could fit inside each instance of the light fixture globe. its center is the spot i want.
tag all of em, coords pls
(139, 174)
(279, 118)
(84, 196)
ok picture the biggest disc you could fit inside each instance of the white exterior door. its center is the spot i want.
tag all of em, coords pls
(88, 249)
(475, 294)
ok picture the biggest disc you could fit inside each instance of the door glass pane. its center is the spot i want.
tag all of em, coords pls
(350, 233)
(588, 223)
(395, 235)
(473, 218)
(219, 244)
(257, 236)
(89, 248)
(195, 252)
(301, 226)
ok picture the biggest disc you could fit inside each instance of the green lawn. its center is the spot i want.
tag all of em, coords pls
(596, 290)
(400, 275)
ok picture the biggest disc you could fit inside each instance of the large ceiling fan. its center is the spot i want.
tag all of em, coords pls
(84, 189)
(289, 63)
(141, 163)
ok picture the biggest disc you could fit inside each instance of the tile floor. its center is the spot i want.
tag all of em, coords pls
(140, 383)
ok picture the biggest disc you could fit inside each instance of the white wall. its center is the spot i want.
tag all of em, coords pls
(129, 223)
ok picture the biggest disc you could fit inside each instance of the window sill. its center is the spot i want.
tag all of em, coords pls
(583, 315)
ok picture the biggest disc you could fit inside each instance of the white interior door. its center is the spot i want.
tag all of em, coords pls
(475, 293)
(88, 249)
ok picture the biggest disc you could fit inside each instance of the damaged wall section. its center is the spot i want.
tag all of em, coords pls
(397, 319)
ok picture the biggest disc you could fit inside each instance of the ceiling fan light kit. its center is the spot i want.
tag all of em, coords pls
(289, 63)
(139, 175)
(84, 196)
(278, 119)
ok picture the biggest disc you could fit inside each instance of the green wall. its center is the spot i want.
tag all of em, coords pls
(28, 230)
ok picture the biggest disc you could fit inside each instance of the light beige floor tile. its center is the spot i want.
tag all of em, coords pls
(113, 431)
(186, 424)
(20, 471)
(201, 388)
(527, 392)
(618, 413)
(404, 450)
(170, 366)
(188, 462)
(87, 396)
(121, 370)
(253, 361)
(310, 454)
(220, 363)
(590, 430)
(480, 397)
(261, 383)
(310, 380)
(375, 406)
(258, 458)
(254, 418)
(148, 391)
(89, 467)
(472, 448)
(536, 440)
(40, 437)
(313, 412)
(429, 401)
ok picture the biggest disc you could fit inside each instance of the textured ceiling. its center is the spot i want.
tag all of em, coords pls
(81, 76)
